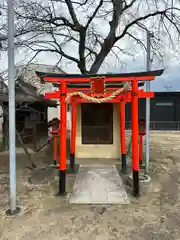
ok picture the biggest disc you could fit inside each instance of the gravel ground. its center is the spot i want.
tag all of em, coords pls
(155, 215)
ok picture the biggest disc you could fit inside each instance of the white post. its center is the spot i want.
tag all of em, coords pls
(12, 121)
(148, 87)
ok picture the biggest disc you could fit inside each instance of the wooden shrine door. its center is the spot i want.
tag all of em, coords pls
(97, 123)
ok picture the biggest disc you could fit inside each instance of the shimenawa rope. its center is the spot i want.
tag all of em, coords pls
(98, 100)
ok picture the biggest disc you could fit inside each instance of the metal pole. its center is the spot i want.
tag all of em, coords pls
(11, 87)
(148, 62)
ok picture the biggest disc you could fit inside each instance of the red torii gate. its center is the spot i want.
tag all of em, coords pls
(99, 86)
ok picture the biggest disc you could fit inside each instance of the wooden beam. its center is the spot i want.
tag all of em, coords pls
(108, 79)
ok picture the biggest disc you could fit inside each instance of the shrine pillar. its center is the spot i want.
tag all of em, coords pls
(73, 136)
(123, 136)
(62, 155)
(135, 148)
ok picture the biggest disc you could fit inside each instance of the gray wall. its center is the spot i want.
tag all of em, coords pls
(165, 111)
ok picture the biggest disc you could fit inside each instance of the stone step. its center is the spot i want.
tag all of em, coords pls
(98, 184)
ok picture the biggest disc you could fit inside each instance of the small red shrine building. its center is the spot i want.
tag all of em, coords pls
(98, 116)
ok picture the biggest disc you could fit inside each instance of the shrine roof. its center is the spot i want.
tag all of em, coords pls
(132, 74)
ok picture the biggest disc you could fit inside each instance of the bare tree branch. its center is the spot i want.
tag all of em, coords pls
(94, 14)
(56, 25)
(137, 20)
(72, 13)
(110, 39)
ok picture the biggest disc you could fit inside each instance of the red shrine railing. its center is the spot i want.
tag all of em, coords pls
(76, 88)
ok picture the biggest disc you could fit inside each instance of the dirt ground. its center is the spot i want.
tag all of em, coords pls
(43, 215)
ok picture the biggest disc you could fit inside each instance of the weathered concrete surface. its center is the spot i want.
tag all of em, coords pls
(156, 215)
(98, 184)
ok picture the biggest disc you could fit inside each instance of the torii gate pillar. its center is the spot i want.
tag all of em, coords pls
(135, 144)
(62, 155)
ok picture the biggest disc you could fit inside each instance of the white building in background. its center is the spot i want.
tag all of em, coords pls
(55, 113)
(28, 73)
